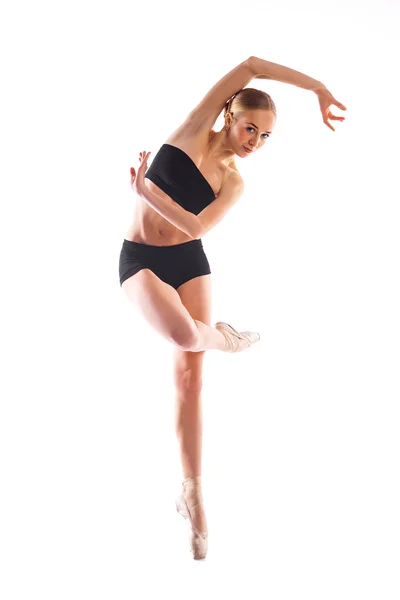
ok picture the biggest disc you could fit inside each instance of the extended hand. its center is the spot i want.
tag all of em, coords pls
(325, 99)
(137, 180)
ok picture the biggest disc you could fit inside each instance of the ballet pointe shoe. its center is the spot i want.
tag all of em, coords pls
(233, 337)
(198, 540)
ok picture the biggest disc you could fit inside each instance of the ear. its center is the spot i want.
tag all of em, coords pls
(228, 120)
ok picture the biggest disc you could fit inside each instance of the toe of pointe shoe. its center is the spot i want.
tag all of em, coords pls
(198, 540)
(251, 336)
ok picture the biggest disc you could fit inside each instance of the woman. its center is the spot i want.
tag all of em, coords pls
(191, 184)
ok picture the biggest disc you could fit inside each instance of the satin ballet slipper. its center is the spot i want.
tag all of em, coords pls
(232, 337)
(198, 540)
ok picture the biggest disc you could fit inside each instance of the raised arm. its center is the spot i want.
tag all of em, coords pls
(210, 107)
(214, 101)
(263, 69)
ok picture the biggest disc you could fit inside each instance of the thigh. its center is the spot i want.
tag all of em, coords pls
(196, 296)
(161, 306)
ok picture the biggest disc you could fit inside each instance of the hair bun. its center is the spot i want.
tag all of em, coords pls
(249, 99)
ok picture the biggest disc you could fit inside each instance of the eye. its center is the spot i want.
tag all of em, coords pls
(265, 134)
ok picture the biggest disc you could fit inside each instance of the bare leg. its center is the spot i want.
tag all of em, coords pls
(182, 317)
(189, 431)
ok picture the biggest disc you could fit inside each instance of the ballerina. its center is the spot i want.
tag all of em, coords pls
(189, 187)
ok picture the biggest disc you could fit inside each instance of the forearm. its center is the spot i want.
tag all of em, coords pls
(172, 212)
(263, 69)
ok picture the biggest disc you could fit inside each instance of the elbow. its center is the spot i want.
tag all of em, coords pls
(250, 63)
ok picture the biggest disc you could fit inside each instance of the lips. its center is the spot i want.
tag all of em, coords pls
(247, 149)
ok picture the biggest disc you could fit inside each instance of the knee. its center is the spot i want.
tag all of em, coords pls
(188, 339)
(189, 381)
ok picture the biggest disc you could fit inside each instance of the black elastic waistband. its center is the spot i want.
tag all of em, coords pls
(140, 246)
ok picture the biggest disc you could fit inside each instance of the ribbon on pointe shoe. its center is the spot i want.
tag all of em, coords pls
(193, 484)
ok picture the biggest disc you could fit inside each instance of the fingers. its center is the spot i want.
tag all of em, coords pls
(340, 105)
(329, 115)
(144, 155)
(326, 113)
(325, 120)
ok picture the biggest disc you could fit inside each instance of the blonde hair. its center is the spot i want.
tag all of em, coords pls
(249, 99)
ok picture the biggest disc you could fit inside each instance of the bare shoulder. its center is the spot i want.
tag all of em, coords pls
(232, 180)
(233, 175)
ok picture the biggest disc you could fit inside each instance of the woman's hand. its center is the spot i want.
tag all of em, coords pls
(137, 180)
(325, 100)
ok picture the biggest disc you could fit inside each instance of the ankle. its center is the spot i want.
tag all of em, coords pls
(192, 479)
(192, 485)
(210, 338)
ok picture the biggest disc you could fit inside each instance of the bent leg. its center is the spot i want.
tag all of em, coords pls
(161, 306)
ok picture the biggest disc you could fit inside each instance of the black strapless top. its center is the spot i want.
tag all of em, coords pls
(175, 173)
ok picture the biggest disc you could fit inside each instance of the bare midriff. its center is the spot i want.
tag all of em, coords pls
(148, 226)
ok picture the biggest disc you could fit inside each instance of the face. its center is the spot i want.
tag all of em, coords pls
(251, 131)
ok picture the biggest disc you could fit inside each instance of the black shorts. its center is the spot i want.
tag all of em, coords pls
(172, 264)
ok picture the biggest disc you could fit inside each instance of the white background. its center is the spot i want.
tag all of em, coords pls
(301, 432)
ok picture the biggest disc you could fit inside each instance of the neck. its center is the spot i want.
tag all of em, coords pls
(219, 148)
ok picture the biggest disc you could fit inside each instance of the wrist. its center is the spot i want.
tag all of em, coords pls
(140, 187)
(319, 87)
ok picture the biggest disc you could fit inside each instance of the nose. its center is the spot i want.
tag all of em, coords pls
(253, 142)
